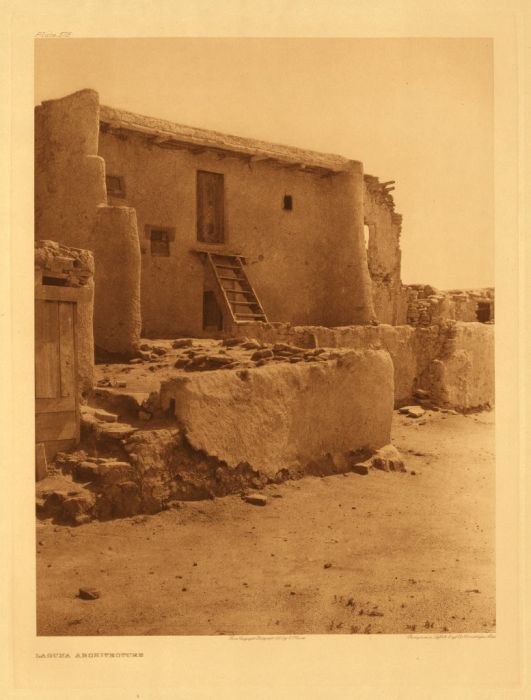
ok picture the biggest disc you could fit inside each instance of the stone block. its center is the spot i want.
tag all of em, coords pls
(261, 354)
(255, 499)
(88, 593)
(86, 471)
(182, 343)
(105, 416)
(388, 459)
(74, 506)
(413, 411)
(115, 431)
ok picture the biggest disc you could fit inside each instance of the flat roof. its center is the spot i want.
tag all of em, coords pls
(179, 137)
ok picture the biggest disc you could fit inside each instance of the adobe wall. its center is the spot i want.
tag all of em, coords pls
(302, 413)
(462, 377)
(411, 349)
(307, 265)
(384, 255)
(453, 361)
(69, 175)
(71, 208)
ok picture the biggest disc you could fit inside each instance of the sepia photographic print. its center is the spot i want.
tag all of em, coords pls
(264, 337)
(263, 291)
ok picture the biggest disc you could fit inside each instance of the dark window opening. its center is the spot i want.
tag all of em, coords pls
(287, 202)
(483, 313)
(54, 281)
(212, 316)
(160, 242)
(115, 185)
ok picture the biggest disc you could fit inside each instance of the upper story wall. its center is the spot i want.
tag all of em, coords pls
(307, 264)
(383, 226)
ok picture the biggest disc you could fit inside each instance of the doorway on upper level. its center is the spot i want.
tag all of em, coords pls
(210, 194)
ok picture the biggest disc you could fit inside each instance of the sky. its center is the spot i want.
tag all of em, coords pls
(418, 111)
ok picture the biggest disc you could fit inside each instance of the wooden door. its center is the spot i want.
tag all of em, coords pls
(210, 207)
(56, 399)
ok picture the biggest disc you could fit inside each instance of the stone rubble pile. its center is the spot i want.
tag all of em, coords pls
(72, 265)
(191, 355)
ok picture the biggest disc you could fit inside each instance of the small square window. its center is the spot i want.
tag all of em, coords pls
(160, 238)
(160, 242)
(115, 185)
(287, 202)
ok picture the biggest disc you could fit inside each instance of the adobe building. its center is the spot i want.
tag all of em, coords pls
(194, 232)
(204, 235)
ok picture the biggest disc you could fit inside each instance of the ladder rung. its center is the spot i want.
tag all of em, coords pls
(244, 303)
(240, 291)
(260, 315)
(227, 267)
(227, 257)
(233, 279)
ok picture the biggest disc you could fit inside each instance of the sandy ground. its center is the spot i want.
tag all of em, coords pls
(347, 554)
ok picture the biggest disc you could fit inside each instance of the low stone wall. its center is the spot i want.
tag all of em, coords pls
(427, 306)
(286, 418)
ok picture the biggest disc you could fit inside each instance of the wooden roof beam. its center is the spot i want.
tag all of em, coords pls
(170, 143)
(294, 166)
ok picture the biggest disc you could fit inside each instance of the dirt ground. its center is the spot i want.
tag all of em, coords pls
(347, 554)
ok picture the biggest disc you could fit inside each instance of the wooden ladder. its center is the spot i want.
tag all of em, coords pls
(239, 296)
